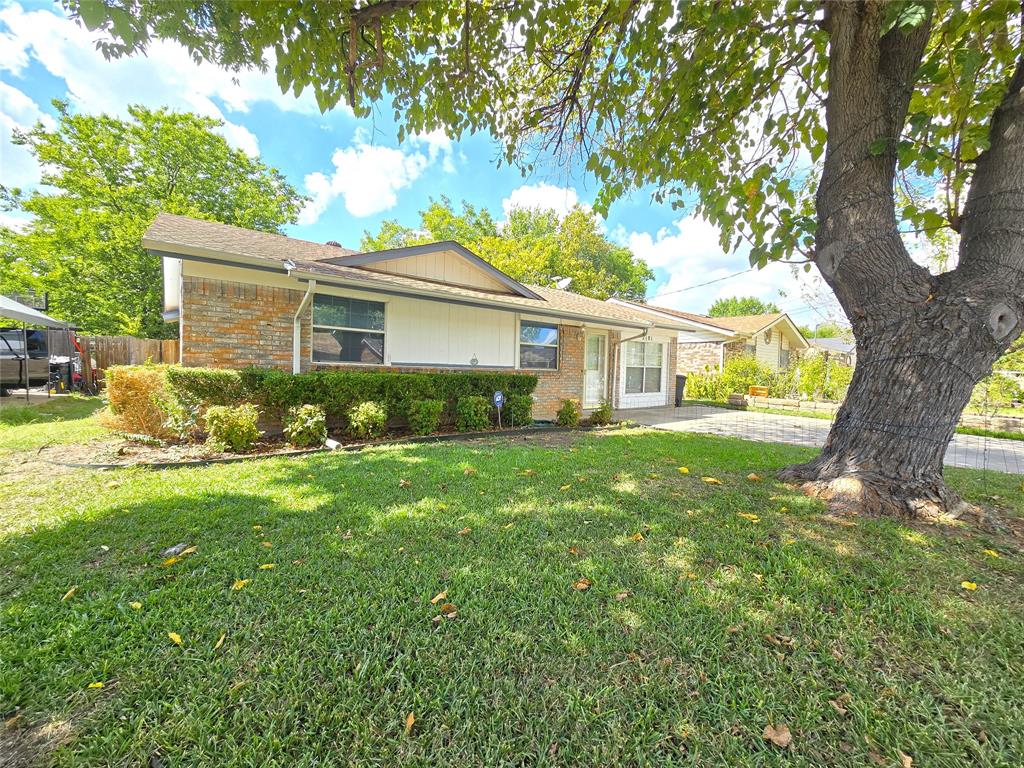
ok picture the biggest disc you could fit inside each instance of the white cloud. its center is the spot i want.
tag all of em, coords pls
(560, 199)
(438, 146)
(690, 254)
(367, 177)
(17, 110)
(165, 76)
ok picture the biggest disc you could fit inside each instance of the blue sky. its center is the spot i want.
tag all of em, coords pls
(355, 171)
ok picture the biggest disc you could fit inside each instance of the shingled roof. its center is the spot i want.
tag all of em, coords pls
(184, 237)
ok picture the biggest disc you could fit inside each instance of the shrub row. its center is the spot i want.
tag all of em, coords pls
(812, 376)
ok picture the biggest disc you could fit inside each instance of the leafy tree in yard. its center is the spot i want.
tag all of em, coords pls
(104, 180)
(534, 246)
(741, 305)
(722, 100)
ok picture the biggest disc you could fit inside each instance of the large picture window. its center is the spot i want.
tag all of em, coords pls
(538, 345)
(643, 367)
(348, 330)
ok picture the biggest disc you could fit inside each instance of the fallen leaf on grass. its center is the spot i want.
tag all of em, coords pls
(266, 544)
(257, 527)
(268, 566)
(96, 685)
(170, 561)
(465, 530)
(188, 551)
(906, 761)
(347, 534)
(135, 606)
(582, 585)
(778, 735)
(748, 516)
(69, 594)
(439, 597)
(528, 472)
(469, 471)
(839, 703)
(175, 637)
(410, 721)
(564, 487)
(684, 470)
(449, 611)
(220, 641)
(969, 585)
(574, 550)
(403, 483)
(239, 584)
(637, 537)
(620, 596)
(781, 641)
(991, 552)
(753, 477)
(509, 525)
(711, 480)
(652, 475)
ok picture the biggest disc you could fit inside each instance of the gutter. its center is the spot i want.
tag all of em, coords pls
(297, 327)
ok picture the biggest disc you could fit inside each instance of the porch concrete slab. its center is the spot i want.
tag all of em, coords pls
(969, 451)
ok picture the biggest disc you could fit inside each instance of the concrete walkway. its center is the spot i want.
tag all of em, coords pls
(964, 450)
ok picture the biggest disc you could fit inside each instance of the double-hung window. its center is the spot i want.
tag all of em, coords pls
(348, 330)
(538, 345)
(643, 367)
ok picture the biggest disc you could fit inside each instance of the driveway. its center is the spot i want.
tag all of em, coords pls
(964, 450)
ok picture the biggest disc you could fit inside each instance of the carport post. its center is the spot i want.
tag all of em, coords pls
(24, 336)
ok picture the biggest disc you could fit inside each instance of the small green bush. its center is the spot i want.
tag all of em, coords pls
(569, 414)
(232, 427)
(473, 414)
(992, 393)
(601, 415)
(424, 416)
(366, 420)
(305, 426)
(520, 409)
(742, 373)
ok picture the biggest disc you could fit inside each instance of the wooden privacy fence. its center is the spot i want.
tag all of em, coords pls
(116, 350)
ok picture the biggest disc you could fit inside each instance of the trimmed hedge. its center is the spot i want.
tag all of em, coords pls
(473, 414)
(209, 386)
(520, 407)
(425, 416)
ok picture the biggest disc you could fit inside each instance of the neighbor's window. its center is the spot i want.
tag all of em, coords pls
(538, 345)
(348, 330)
(643, 367)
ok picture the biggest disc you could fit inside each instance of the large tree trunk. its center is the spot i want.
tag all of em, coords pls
(923, 341)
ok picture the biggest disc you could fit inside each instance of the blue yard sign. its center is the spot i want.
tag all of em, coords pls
(499, 399)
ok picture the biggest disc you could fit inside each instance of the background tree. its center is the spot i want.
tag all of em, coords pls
(733, 306)
(726, 101)
(533, 246)
(103, 182)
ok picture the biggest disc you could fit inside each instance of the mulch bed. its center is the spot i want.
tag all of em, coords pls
(121, 452)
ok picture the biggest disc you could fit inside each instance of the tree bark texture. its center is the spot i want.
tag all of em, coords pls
(923, 341)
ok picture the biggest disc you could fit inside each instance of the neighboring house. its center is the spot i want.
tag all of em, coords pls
(705, 343)
(251, 298)
(844, 352)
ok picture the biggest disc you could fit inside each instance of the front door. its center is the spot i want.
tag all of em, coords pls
(595, 370)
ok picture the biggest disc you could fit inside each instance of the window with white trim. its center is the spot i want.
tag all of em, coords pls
(538, 345)
(348, 330)
(643, 367)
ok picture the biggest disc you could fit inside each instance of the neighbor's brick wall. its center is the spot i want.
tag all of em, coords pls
(697, 357)
(235, 325)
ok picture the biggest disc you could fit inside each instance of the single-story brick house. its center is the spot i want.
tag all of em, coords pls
(707, 342)
(244, 298)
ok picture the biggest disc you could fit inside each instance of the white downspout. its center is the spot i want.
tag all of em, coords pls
(297, 328)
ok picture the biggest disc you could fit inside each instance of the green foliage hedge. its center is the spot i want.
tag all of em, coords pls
(424, 416)
(812, 377)
(305, 426)
(568, 415)
(209, 386)
(367, 420)
(233, 427)
(520, 408)
(473, 413)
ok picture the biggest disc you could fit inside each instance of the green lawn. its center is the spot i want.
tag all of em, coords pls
(69, 419)
(694, 635)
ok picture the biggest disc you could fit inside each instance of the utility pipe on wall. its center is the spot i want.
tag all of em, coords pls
(297, 328)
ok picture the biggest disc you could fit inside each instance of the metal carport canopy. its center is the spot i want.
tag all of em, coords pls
(15, 310)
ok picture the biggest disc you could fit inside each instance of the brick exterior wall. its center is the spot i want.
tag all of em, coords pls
(698, 357)
(235, 325)
(736, 349)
